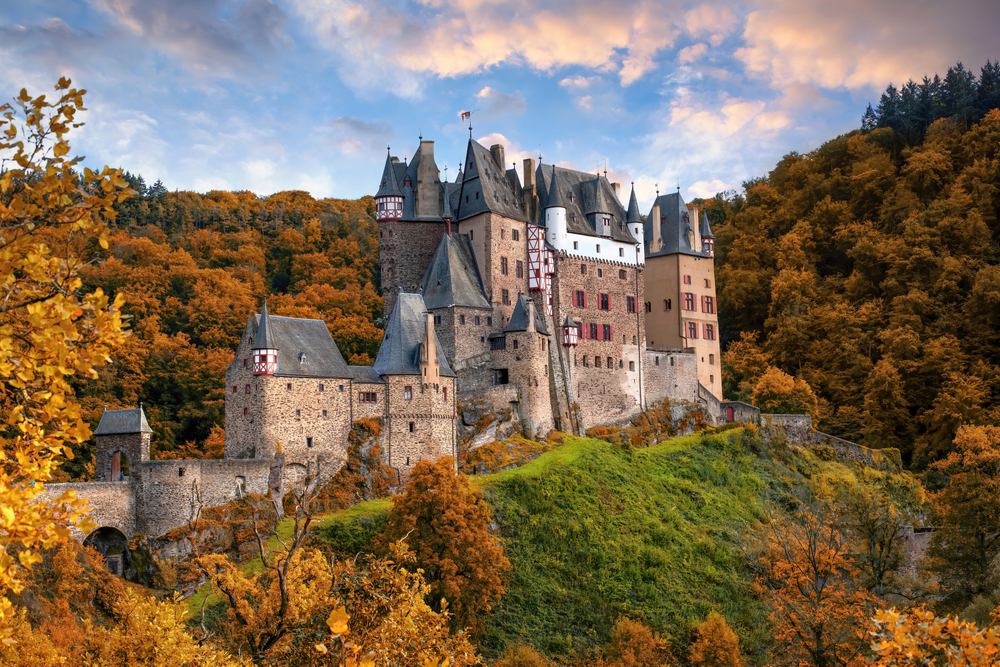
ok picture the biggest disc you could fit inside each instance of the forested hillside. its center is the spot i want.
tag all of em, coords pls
(869, 268)
(193, 267)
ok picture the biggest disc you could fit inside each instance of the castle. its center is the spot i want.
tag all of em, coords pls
(540, 300)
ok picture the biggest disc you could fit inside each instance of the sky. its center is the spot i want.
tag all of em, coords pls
(272, 95)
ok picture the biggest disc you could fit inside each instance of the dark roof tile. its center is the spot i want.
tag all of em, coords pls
(114, 422)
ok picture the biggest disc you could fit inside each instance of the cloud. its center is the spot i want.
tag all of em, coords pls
(384, 48)
(691, 53)
(357, 136)
(578, 81)
(863, 43)
(496, 104)
(191, 32)
(513, 153)
(706, 189)
(715, 21)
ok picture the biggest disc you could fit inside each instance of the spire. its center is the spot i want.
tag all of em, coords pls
(555, 194)
(633, 208)
(388, 186)
(264, 339)
(706, 229)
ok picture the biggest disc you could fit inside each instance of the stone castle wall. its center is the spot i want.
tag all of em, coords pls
(670, 375)
(111, 504)
(432, 416)
(405, 252)
(369, 409)
(527, 367)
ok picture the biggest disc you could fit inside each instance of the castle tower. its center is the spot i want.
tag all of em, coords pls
(632, 218)
(122, 445)
(555, 215)
(707, 237)
(681, 305)
(265, 350)
(389, 198)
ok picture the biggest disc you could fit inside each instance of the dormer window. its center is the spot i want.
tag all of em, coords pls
(302, 357)
(406, 183)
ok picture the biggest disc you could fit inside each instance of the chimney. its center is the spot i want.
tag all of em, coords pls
(497, 151)
(531, 315)
(695, 229)
(618, 190)
(428, 357)
(655, 241)
(528, 191)
(427, 201)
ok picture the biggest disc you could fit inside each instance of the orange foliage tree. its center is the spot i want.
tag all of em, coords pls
(776, 392)
(918, 637)
(635, 644)
(804, 569)
(51, 330)
(967, 513)
(715, 645)
(447, 524)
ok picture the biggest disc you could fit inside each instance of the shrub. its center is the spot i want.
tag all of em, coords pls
(715, 645)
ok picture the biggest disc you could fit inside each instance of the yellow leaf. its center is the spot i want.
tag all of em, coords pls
(321, 648)
(338, 621)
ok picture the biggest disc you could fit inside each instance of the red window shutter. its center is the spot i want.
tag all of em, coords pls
(609, 302)
(600, 332)
(584, 299)
(612, 332)
(583, 329)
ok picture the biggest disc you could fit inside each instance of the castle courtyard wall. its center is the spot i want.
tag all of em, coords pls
(368, 409)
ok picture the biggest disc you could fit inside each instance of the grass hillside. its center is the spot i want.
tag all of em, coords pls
(595, 531)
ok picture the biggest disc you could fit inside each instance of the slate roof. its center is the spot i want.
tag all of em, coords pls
(592, 198)
(294, 337)
(452, 278)
(674, 229)
(485, 185)
(365, 374)
(519, 318)
(633, 208)
(264, 339)
(399, 353)
(706, 229)
(132, 420)
(389, 185)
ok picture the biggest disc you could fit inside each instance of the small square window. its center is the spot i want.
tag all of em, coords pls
(477, 320)
(515, 343)
(576, 245)
(298, 413)
(247, 389)
(621, 252)
(234, 388)
(288, 387)
(600, 272)
(489, 321)
(622, 274)
(324, 413)
(437, 319)
(309, 443)
(515, 234)
(341, 387)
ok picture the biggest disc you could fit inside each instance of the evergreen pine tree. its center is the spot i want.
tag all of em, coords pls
(988, 92)
(868, 121)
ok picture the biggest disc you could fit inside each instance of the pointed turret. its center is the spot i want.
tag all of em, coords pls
(555, 194)
(707, 237)
(555, 215)
(632, 218)
(389, 198)
(265, 350)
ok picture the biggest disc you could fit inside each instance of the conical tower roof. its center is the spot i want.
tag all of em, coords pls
(706, 229)
(265, 337)
(389, 186)
(446, 213)
(633, 208)
(555, 194)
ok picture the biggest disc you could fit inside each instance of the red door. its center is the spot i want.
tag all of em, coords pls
(116, 466)
(729, 414)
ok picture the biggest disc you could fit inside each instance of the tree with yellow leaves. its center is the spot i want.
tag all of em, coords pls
(918, 637)
(49, 331)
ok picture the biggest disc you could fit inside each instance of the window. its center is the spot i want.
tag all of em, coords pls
(309, 443)
(593, 330)
(519, 269)
(649, 307)
(247, 391)
(244, 412)
(711, 359)
(583, 269)
(709, 332)
(437, 319)
(576, 245)
(688, 301)
(180, 472)
(631, 364)
(489, 321)
(406, 183)
(711, 379)
(671, 361)
(322, 387)
(461, 319)
(477, 320)
(687, 280)
(390, 233)
(503, 265)
(600, 273)
(630, 304)
(470, 231)
(597, 362)
(622, 274)
(611, 363)
(607, 332)
(444, 393)
(657, 361)
(498, 343)
(620, 363)
(505, 297)
(515, 234)
(412, 429)
(503, 234)
(580, 299)
(500, 376)
(708, 283)
(341, 388)
(692, 330)
(288, 387)
(707, 304)
(583, 361)
(515, 343)
(298, 413)
(408, 392)
(598, 248)
(604, 302)
(234, 388)
(621, 252)
(667, 305)
(324, 413)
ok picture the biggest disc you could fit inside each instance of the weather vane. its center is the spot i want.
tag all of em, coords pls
(468, 115)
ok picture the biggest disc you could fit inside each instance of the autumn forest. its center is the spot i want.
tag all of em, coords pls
(858, 282)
